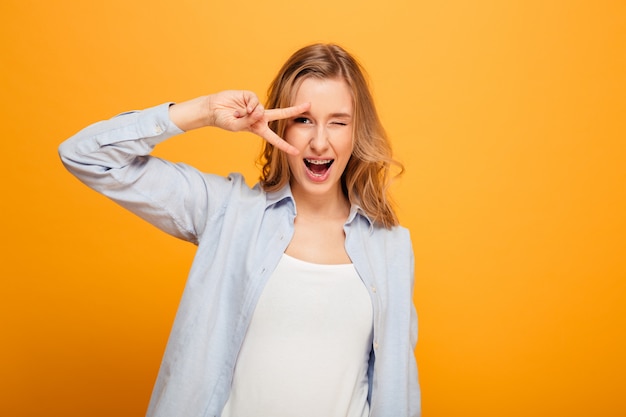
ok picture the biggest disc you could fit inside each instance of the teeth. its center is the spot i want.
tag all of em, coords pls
(318, 161)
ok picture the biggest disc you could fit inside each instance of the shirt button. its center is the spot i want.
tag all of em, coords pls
(373, 289)
(158, 129)
(376, 345)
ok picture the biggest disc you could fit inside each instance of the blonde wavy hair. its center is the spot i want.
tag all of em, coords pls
(367, 176)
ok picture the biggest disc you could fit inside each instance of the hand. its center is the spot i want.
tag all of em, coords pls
(235, 111)
(241, 111)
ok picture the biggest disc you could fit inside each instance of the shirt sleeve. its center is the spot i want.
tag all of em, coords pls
(415, 395)
(113, 158)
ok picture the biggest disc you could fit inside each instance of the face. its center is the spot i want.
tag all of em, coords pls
(323, 135)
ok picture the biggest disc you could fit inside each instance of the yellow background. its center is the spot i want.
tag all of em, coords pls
(510, 117)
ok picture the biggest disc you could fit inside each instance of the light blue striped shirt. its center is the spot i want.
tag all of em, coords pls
(240, 233)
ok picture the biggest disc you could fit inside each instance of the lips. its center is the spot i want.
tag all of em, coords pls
(318, 167)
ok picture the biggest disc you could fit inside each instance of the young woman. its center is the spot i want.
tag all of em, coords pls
(299, 301)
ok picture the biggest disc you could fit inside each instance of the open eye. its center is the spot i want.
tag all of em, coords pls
(302, 120)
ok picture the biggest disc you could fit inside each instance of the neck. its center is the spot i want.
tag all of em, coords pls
(329, 205)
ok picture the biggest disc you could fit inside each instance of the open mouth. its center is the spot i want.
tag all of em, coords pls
(318, 167)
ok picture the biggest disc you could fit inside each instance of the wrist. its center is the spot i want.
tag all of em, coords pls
(192, 114)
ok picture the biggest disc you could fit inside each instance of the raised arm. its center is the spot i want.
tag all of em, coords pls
(112, 157)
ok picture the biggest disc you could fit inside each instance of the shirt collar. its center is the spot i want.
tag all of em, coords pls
(355, 210)
(284, 193)
(275, 197)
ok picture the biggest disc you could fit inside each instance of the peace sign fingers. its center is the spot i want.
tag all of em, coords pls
(262, 129)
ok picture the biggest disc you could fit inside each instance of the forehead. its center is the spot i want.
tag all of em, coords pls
(326, 93)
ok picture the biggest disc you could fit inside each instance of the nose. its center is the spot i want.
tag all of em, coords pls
(320, 140)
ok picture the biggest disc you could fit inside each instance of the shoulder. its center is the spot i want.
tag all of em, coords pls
(235, 185)
(224, 193)
(396, 235)
(255, 197)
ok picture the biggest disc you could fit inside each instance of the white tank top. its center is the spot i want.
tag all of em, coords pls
(307, 348)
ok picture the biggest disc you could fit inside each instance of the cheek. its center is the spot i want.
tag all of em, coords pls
(345, 144)
(293, 162)
(293, 135)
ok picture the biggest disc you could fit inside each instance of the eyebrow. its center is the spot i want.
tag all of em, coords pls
(332, 115)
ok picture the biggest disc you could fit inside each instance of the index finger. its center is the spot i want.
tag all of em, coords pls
(263, 130)
(286, 112)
